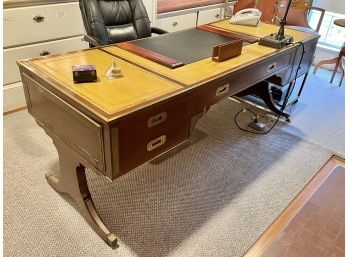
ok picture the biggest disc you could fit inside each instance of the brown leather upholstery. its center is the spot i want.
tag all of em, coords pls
(298, 13)
(296, 16)
(176, 5)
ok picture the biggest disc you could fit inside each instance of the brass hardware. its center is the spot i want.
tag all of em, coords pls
(156, 119)
(44, 53)
(271, 66)
(153, 144)
(222, 90)
(39, 18)
(175, 23)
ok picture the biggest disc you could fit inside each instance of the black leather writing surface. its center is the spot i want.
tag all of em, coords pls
(184, 46)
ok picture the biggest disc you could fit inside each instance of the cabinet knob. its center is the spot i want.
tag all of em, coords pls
(217, 16)
(175, 23)
(44, 53)
(39, 18)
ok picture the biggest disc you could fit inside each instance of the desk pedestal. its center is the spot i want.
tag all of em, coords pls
(72, 181)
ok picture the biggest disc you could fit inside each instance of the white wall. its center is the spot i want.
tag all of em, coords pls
(336, 6)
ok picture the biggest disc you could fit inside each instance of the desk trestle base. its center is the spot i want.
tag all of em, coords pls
(72, 180)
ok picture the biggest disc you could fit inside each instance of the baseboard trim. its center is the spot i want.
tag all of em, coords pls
(13, 97)
(266, 239)
(15, 110)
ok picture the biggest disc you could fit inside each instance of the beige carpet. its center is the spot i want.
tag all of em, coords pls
(213, 198)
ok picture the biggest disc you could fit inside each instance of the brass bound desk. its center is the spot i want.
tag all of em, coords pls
(113, 126)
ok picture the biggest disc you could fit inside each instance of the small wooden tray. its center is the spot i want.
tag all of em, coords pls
(227, 50)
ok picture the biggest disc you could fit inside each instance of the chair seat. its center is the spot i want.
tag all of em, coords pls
(164, 6)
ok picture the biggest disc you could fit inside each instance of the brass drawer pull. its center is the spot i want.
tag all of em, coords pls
(271, 66)
(222, 90)
(153, 144)
(39, 18)
(156, 119)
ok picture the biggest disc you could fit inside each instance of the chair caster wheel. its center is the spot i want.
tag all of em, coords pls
(288, 120)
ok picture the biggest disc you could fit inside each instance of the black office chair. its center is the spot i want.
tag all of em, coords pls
(113, 21)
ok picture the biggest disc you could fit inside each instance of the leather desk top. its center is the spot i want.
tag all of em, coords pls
(183, 47)
(200, 71)
(144, 81)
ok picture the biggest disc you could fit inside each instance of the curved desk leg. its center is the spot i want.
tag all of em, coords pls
(72, 180)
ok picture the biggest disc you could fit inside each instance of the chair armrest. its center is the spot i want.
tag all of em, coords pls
(93, 40)
(158, 31)
(322, 12)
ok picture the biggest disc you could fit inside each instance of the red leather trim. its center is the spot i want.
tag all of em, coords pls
(232, 35)
(168, 62)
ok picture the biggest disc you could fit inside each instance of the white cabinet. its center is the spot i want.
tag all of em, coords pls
(191, 17)
(209, 16)
(179, 22)
(32, 31)
(11, 55)
(25, 25)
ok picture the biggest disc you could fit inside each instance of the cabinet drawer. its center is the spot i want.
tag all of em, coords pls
(149, 133)
(218, 89)
(270, 67)
(208, 16)
(177, 23)
(39, 23)
(11, 55)
(66, 122)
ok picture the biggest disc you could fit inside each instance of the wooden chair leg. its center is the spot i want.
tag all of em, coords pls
(335, 69)
(331, 61)
(342, 70)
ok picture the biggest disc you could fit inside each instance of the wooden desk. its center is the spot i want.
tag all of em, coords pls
(113, 126)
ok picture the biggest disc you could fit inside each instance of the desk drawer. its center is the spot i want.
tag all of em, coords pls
(216, 90)
(39, 23)
(270, 67)
(77, 130)
(151, 132)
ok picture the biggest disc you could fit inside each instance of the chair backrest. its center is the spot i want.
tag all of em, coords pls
(113, 21)
(298, 13)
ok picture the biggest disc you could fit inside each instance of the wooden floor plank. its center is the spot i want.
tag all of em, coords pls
(312, 224)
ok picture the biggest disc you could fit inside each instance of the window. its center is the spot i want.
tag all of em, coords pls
(331, 34)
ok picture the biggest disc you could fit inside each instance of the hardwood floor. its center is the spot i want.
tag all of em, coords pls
(313, 223)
